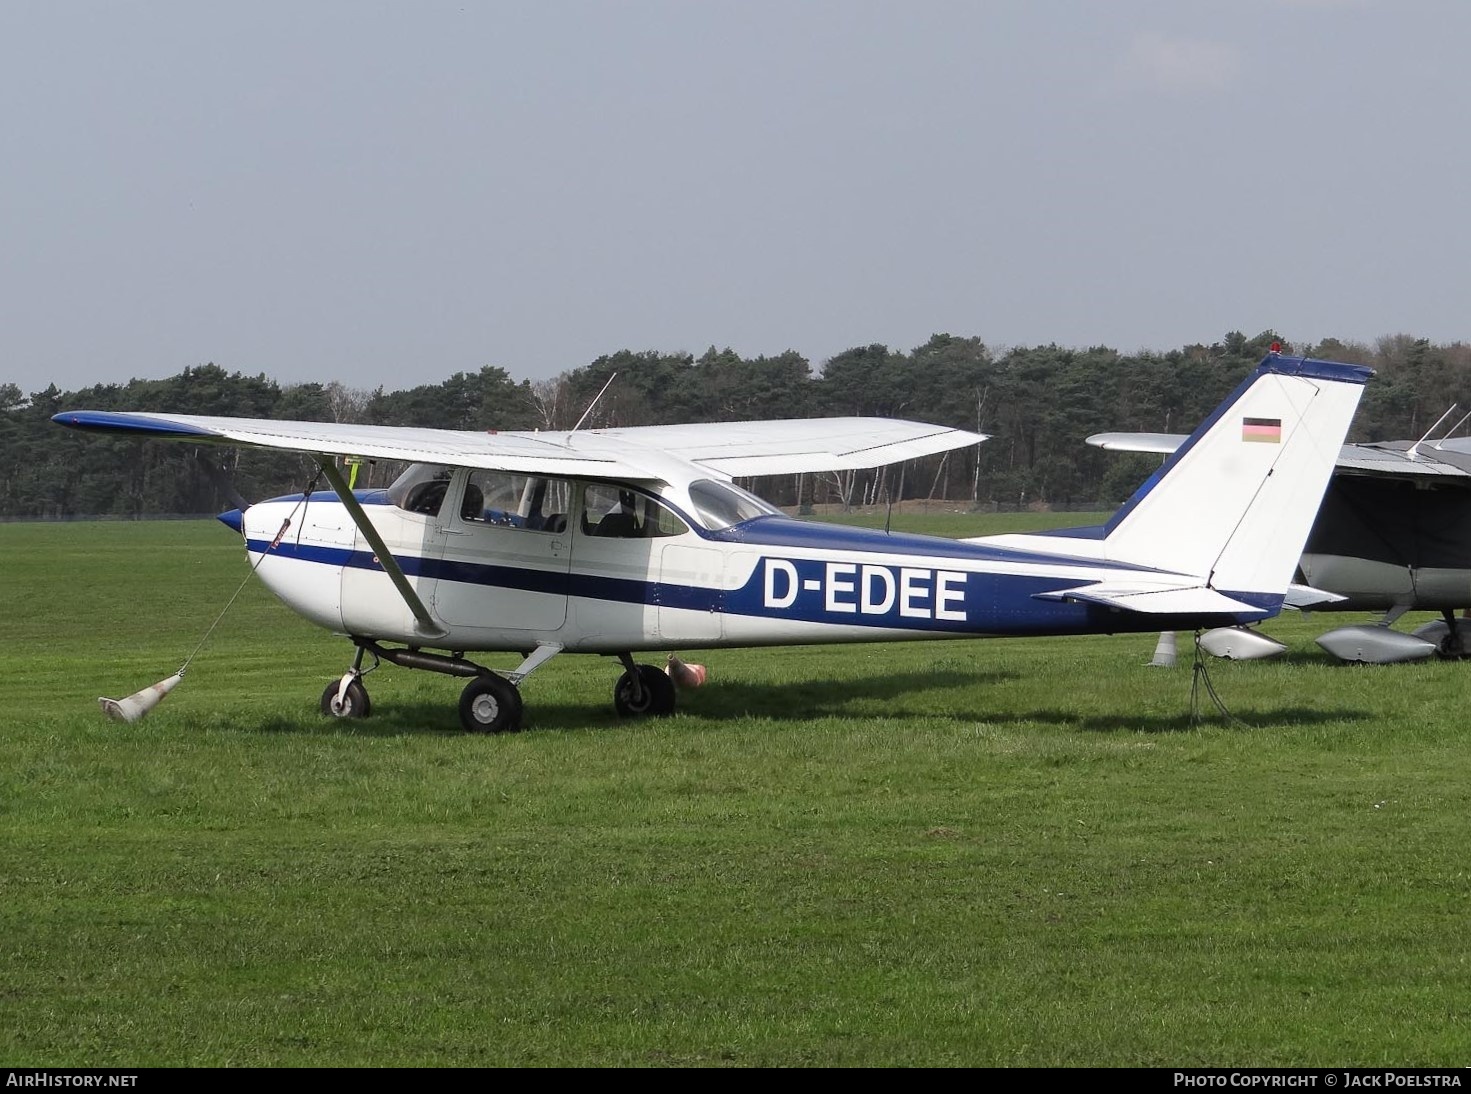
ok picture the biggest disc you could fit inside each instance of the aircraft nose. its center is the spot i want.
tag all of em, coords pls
(233, 519)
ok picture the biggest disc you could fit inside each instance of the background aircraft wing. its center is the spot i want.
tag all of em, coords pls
(1393, 459)
(725, 448)
(1390, 459)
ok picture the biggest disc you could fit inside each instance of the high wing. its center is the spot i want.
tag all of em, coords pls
(727, 449)
(1390, 459)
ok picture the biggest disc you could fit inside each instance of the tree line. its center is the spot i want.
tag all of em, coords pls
(1037, 403)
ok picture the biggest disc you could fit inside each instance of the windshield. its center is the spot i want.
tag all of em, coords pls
(721, 504)
(420, 489)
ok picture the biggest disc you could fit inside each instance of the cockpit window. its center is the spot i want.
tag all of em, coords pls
(721, 504)
(420, 489)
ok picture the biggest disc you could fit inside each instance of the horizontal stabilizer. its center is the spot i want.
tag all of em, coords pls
(1154, 599)
(1305, 596)
(1163, 443)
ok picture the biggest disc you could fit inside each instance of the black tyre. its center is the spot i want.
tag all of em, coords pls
(656, 700)
(490, 704)
(354, 703)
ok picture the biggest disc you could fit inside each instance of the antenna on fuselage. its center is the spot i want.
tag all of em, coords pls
(889, 514)
(594, 403)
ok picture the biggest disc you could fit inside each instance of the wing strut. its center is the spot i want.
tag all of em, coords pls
(390, 565)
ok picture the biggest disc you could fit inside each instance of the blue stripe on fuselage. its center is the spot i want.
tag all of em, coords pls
(781, 531)
(364, 497)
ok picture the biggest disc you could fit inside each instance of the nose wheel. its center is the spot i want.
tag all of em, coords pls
(349, 702)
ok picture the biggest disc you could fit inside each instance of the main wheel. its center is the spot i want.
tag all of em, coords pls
(656, 699)
(353, 704)
(490, 704)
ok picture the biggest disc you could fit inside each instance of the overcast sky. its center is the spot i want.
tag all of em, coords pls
(387, 193)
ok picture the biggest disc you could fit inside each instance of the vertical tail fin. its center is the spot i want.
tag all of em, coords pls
(1235, 502)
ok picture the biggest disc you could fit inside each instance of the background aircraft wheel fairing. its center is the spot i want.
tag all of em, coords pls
(1240, 644)
(1375, 644)
(490, 704)
(354, 701)
(654, 698)
(1449, 645)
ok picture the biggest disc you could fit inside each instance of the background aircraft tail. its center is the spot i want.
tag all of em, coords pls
(1235, 502)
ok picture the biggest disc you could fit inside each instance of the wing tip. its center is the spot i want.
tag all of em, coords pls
(108, 421)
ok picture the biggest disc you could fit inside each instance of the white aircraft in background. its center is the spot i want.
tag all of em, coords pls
(1393, 535)
(617, 541)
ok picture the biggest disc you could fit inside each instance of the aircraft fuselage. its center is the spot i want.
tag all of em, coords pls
(769, 580)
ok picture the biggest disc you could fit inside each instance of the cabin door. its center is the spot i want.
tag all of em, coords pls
(506, 553)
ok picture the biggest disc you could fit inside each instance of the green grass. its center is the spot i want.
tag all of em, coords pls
(1012, 852)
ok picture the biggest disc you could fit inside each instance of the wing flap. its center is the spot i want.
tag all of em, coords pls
(799, 445)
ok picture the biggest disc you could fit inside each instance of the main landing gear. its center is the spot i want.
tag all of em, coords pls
(1451, 637)
(491, 702)
(642, 691)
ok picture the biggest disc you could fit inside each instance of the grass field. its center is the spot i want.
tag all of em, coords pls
(1005, 853)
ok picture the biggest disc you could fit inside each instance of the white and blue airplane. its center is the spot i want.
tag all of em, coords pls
(617, 541)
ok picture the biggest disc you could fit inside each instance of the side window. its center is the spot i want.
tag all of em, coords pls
(617, 512)
(516, 501)
(420, 489)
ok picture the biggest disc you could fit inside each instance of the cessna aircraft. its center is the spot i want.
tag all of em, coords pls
(1393, 535)
(615, 541)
